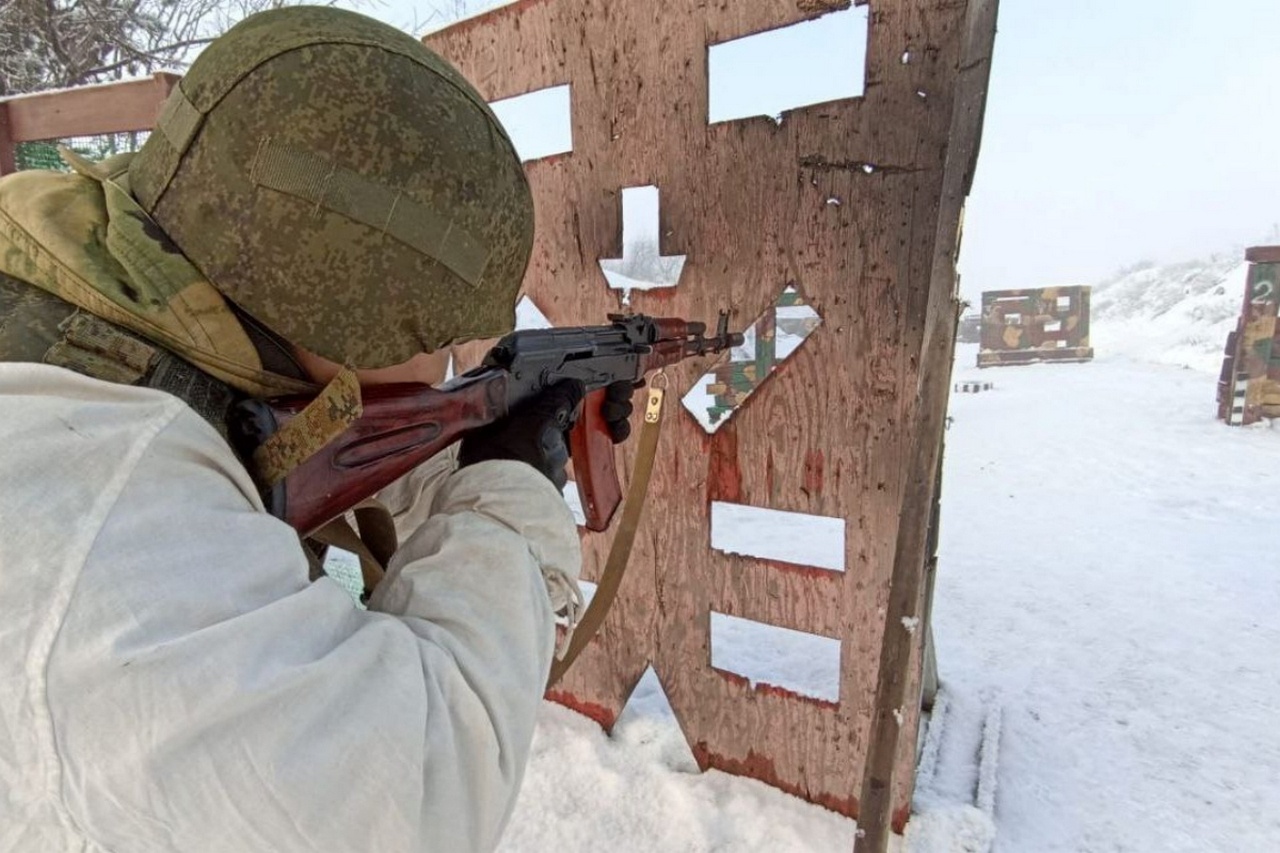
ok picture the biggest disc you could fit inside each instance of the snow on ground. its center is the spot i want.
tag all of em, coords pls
(1108, 569)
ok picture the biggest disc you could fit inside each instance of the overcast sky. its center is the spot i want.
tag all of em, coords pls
(1117, 131)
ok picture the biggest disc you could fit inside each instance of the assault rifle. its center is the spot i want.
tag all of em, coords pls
(403, 425)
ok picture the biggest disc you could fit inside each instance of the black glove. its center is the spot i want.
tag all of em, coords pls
(535, 432)
(617, 408)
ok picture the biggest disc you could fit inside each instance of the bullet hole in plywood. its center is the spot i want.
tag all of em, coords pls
(807, 664)
(642, 265)
(770, 534)
(768, 73)
(539, 123)
(769, 341)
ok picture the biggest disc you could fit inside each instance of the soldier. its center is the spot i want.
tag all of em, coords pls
(320, 190)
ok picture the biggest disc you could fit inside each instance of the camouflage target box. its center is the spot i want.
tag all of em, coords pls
(1027, 326)
(1249, 386)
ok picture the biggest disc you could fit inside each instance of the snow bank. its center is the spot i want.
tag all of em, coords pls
(1176, 314)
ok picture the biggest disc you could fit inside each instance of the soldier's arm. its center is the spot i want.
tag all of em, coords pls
(215, 698)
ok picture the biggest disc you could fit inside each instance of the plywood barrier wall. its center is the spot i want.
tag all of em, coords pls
(833, 233)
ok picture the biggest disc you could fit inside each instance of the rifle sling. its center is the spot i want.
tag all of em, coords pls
(620, 550)
(374, 544)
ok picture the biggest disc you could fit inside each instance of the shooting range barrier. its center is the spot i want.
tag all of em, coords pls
(830, 233)
(96, 121)
(1027, 326)
(1249, 385)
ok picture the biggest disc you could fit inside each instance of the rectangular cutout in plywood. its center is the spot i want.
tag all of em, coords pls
(539, 123)
(771, 72)
(803, 663)
(771, 534)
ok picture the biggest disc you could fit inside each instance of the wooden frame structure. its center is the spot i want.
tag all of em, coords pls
(130, 105)
(1249, 386)
(857, 205)
(1027, 326)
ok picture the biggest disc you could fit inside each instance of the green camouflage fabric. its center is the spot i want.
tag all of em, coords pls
(29, 320)
(343, 185)
(38, 327)
(81, 237)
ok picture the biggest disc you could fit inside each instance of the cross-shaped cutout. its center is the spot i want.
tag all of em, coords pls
(642, 265)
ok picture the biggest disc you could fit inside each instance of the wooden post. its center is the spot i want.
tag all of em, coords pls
(903, 617)
(889, 737)
(8, 148)
(929, 680)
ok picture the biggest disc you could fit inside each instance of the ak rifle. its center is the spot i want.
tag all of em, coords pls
(403, 425)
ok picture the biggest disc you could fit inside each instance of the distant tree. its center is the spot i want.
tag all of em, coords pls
(643, 261)
(47, 44)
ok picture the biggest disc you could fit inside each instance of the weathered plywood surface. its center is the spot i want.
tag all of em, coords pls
(831, 431)
(888, 780)
(90, 110)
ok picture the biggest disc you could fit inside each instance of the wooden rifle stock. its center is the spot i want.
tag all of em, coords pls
(402, 426)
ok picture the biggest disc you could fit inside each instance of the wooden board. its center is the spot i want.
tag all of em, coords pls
(832, 431)
(1262, 254)
(86, 111)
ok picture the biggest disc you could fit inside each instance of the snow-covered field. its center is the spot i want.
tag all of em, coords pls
(1109, 577)
(1105, 616)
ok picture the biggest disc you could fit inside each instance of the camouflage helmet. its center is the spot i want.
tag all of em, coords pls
(342, 185)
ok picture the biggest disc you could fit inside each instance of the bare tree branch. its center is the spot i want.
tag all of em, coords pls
(56, 43)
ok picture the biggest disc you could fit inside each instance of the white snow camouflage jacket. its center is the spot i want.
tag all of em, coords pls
(173, 682)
